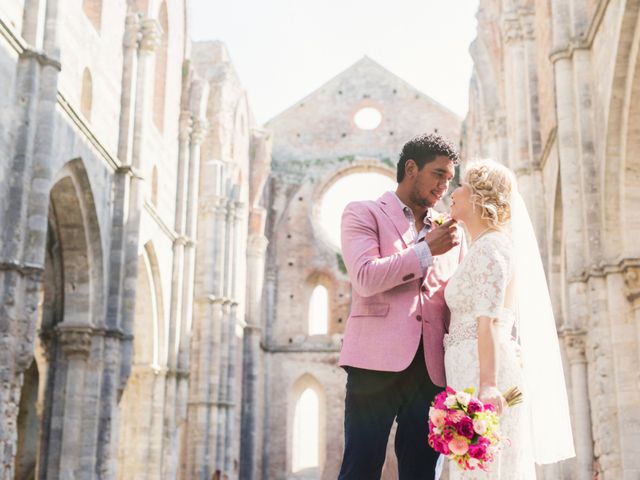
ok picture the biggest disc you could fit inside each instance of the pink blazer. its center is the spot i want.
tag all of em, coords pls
(392, 304)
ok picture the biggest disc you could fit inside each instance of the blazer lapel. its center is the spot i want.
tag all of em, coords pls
(391, 207)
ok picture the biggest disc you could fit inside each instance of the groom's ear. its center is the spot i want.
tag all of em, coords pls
(410, 168)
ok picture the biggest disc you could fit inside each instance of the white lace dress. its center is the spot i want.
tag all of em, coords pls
(478, 288)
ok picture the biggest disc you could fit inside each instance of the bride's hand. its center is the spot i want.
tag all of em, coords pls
(491, 394)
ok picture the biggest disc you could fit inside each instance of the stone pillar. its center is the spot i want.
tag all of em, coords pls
(24, 200)
(75, 341)
(203, 420)
(118, 347)
(571, 169)
(250, 415)
(574, 342)
(170, 442)
(522, 114)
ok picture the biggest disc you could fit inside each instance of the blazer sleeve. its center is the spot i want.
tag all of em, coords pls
(370, 273)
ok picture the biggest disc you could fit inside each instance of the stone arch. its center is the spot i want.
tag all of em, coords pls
(305, 384)
(313, 282)
(557, 262)
(86, 98)
(358, 165)
(149, 347)
(620, 165)
(141, 405)
(74, 293)
(161, 69)
(28, 426)
(93, 11)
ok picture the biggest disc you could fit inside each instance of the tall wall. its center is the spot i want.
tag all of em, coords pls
(118, 142)
(559, 81)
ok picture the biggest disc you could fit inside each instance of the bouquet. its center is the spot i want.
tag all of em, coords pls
(466, 430)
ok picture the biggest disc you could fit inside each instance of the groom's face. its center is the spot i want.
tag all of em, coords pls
(432, 181)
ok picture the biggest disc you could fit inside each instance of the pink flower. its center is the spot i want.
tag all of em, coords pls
(488, 407)
(458, 446)
(480, 426)
(455, 416)
(478, 450)
(439, 401)
(450, 391)
(437, 416)
(474, 406)
(447, 434)
(465, 427)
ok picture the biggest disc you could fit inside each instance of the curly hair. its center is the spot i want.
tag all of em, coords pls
(491, 185)
(424, 149)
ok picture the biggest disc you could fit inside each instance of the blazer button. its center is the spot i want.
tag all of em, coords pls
(423, 288)
(408, 277)
(419, 318)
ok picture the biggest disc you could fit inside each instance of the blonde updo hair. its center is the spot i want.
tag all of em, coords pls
(491, 185)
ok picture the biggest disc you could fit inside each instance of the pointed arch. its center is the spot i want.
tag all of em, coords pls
(93, 11)
(622, 137)
(307, 425)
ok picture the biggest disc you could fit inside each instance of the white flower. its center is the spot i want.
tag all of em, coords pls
(463, 398)
(450, 401)
(480, 426)
(474, 462)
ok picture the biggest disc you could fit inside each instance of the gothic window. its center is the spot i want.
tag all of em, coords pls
(161, 69)
(306, 431)
(93, 11)
(319, 311)
(87, 94)
(354, 186)
(367, 118)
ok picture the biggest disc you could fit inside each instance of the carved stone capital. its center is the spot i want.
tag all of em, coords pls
(198, 131)
(151, 33)
(528, 25)
(575, 342)
(632, 282)
(132, 31)
(75, 339)
(185, 125)
(511, 28)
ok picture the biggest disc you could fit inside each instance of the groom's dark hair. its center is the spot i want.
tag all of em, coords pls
(424, 149)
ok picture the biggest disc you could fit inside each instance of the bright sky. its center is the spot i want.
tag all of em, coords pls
(285, 49)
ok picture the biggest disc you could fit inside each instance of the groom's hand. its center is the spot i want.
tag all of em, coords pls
(443, 237)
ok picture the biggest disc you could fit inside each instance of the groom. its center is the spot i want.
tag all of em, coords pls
(399, 259)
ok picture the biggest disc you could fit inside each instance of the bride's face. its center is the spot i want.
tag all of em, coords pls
(461, 206)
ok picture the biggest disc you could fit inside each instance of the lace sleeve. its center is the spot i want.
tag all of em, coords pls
(489, 275)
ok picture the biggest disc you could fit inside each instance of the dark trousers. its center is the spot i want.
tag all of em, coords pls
(374, 399)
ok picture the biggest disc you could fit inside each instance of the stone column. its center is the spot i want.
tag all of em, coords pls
(574, 342)
(24, 199)
(250, 415)
(571, 169)
(203, 420)
(75, 341)
(522, 114)
(118, 348)
(170, 442)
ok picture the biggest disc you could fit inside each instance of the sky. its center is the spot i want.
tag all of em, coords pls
(285, 49)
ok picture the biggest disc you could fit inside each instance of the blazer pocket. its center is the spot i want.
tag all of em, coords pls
(370, 310)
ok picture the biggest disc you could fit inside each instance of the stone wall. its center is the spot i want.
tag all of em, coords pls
(579, 180)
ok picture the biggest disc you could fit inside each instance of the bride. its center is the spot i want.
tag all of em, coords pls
(502, 332)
